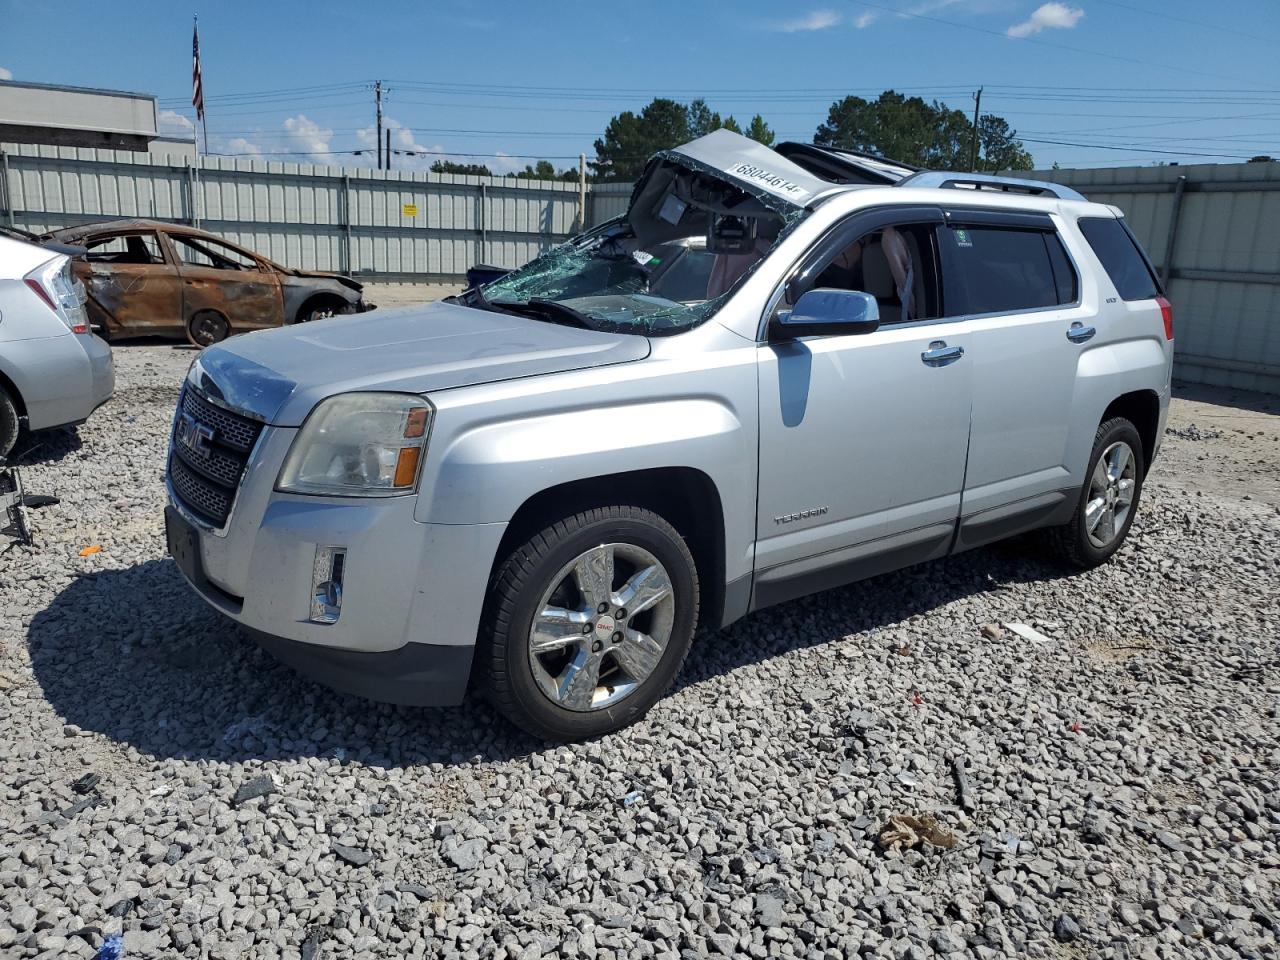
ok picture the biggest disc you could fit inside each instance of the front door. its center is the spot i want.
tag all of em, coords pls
(133, 288)
(226, 280)
(1015, 281)
(863, 438)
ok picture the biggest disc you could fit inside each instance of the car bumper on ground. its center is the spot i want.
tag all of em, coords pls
(263, 573)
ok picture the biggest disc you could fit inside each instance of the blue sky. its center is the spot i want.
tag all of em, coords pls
(1114, 82)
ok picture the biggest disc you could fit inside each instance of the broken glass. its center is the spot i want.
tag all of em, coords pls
(689, 238)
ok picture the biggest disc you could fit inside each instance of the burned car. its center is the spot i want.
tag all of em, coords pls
(146, 278)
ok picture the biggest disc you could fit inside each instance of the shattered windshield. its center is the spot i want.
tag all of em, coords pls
(688, 238)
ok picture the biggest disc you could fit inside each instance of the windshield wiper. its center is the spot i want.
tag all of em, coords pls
(553, 310)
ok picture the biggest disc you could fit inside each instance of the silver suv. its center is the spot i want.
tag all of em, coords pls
(780, 371)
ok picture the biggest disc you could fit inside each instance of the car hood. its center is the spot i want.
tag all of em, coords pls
(355, 285)
(280, 374)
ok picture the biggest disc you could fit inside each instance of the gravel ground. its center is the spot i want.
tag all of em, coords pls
(1120, 768)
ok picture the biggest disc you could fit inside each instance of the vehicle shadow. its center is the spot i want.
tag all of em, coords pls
(1227, 397)
(164, 674)
(47, 446)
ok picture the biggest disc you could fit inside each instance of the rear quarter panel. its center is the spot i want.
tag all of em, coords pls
(1128, 354)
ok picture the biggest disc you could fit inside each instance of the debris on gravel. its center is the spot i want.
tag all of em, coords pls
(1121, 776)
(257, 787)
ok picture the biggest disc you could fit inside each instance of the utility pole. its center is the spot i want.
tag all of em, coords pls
(582, 192)
(388, 148)
(377, 95)
(973, 140)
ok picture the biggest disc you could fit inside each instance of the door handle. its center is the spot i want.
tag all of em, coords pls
(939, 354)
(1079, 333)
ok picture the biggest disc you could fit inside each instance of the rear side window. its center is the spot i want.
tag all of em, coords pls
(1005, 270)
(1121, 257)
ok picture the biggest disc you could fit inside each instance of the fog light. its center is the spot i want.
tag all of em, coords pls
(326, 584)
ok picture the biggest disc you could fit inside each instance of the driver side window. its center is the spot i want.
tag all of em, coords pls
(898, 265)
(204, 252)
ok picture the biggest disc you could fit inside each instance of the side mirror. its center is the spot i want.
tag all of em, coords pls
(827, 313)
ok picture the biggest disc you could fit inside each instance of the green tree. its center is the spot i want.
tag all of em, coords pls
(630, 139)
(911, 130)
(999, 147)
(760, 131)
(545, 170)
(466, 169)
(702, 119)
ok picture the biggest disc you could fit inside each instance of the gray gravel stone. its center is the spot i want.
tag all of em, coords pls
(763, 778)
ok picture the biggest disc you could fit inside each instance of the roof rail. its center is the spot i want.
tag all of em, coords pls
(986, 181)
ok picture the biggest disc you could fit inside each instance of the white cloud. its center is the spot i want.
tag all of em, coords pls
(865, 19)
(6, 74)
(504, 163)
(1050, 16)
(304, 135)
(172, 123)
(241, 145)
(817, 20)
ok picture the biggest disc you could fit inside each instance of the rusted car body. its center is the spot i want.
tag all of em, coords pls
(146, 278)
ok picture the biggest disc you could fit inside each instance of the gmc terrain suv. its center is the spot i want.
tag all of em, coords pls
(780, 371)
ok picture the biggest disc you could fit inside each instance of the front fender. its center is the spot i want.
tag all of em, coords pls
(488, 471)
(691, 405)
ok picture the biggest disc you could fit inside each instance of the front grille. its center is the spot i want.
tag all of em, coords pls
(208, 452)
(207, 500)
(233, 430)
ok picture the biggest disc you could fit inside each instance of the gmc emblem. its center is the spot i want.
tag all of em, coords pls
(194, 435)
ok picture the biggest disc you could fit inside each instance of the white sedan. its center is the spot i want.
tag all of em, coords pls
(53, 371)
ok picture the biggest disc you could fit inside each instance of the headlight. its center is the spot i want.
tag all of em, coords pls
(359, 445)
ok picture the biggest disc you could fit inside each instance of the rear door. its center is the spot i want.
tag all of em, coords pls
(1021, 292)
(133, 286)
(217, 276)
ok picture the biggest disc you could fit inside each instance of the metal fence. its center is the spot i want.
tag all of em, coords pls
(1213, 231)
(393, 224)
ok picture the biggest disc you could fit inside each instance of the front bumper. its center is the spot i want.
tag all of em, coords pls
(412, 598)
(416, 675)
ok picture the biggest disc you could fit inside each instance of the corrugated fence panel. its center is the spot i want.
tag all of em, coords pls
(609, 200)
(1224, 269)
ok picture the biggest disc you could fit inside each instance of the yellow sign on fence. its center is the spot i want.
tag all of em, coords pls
(409, 209)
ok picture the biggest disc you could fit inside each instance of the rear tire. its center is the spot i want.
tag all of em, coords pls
(551, 659)
(207, 327)
(1108, 498)
(9, 423)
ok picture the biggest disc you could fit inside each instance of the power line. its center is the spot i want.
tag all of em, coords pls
(1134, 148)
(1195, 23)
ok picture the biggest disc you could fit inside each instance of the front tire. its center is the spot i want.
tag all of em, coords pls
(9, 423)
(588, 622)
(1108, 498)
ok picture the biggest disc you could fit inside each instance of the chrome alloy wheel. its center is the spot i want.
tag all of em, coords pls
(602, 627)
(1110, 494)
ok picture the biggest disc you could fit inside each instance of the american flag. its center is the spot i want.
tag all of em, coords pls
(197, 87)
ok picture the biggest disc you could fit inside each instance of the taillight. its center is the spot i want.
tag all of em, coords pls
(55, 284)
(1166, 313)
(42, 294)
